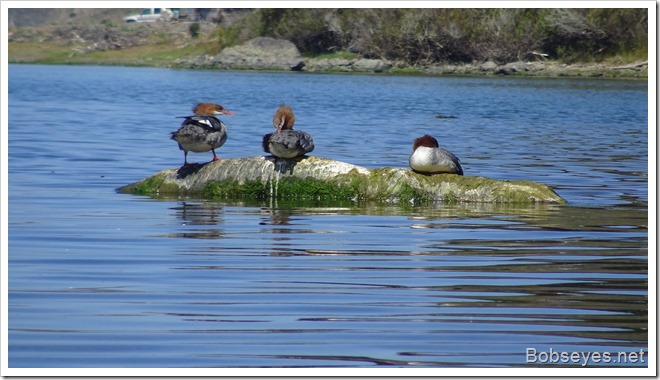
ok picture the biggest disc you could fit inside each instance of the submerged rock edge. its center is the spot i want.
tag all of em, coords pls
(263, 177)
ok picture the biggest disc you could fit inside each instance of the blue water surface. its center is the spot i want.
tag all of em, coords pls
(102, 279)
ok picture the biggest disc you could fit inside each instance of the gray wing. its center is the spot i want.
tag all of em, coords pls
(305, 141)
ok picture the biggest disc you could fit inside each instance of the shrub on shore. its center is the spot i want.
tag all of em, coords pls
(423, 36)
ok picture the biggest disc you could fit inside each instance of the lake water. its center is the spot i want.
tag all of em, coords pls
(102, 279)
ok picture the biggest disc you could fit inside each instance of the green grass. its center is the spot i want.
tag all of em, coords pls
(162, 54)
(34, 52)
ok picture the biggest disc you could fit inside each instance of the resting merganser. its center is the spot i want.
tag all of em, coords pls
(287, 143)
(203, 131)
(429, 158)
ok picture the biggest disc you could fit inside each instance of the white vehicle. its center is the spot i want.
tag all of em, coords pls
(151, 15)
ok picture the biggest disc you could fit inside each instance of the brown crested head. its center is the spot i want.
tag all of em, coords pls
(427, 141)
(211, 109)
(284, 118)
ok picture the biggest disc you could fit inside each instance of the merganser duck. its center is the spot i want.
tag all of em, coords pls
(202, 131)
(286, 143)
(429, 158)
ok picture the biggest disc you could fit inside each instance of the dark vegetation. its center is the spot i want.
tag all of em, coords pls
(194, 29)
(422, 36)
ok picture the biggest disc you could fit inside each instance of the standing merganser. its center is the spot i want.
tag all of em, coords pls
(203, 131)
(286, 143)
(429, 158)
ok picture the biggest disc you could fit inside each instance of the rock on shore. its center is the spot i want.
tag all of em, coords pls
(265, 53)
(262, 177)
(262, 53)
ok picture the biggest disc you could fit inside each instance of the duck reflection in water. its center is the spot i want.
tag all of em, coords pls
(200, 214)
(282, 224)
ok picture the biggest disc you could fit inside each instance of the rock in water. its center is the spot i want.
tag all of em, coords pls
(321, 178)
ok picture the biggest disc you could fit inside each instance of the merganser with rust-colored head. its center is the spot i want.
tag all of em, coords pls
(202, 131)
(287, 143)
(429, 157)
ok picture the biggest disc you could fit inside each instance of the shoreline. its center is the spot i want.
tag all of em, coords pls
(514, 69)
(99, 46)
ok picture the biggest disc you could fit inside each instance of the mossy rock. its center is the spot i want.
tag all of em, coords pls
(263, 177)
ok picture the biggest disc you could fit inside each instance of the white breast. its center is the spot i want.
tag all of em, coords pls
(433, 160)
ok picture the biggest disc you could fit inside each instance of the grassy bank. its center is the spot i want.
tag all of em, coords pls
(157, 55)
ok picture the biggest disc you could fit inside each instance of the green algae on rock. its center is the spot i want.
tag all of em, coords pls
(262, 177)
